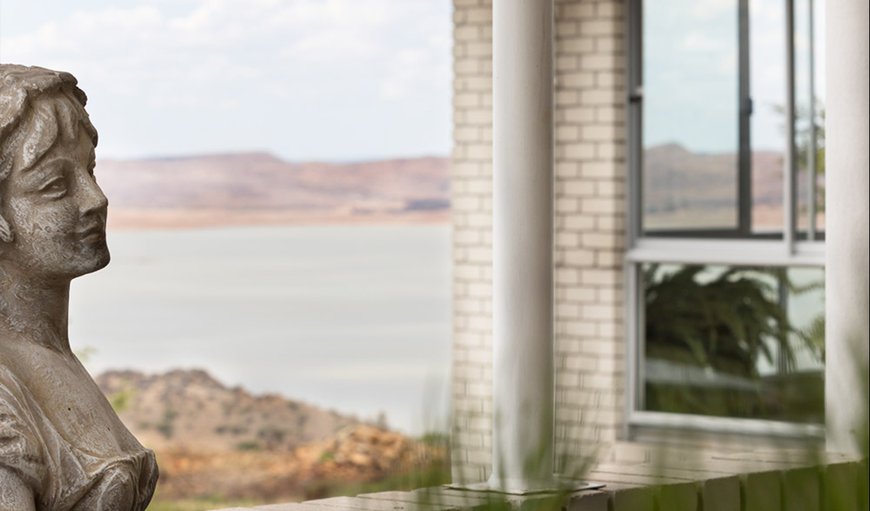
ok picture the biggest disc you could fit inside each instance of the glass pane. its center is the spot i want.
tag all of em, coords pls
(734, 341)
(767, 85)
(690, 116)
(810, 125)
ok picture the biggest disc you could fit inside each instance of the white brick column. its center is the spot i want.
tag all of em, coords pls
(589, 232)
(846, 224)
(523, 386)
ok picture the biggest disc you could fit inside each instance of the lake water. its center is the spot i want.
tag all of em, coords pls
(354, 318)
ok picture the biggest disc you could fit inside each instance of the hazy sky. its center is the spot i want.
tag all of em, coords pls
(361, 79)
(305, 79)
(691, 68)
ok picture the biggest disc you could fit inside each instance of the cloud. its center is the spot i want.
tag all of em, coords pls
(226, 53)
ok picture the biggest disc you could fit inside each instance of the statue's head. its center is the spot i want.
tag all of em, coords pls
(52, 212)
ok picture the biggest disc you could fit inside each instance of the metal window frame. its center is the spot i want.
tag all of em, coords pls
(787, 251)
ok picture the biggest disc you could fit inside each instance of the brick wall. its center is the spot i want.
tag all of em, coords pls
(590, 228)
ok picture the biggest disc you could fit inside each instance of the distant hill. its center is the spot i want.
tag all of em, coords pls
(688, 189)
(259, 188)
(680, 187)
(189, 409)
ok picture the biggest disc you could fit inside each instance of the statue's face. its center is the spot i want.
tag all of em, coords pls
(56, 210)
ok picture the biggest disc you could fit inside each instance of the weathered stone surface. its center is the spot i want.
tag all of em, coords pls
(61, 445)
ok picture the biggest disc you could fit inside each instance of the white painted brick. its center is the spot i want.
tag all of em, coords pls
(567, 205)
(603, 169)
(478, 83)
(600, 27)
(579, 222)
(567, 275)
(589, 238)
(610, 10)
(479, 50)
(479, 389)
(577, 10)
(466, 66)
(479, 116)
(577, 187)
(576, 80)
(479, 186)
(579, 328)
(610, 223)
(579, 114)
(580, 151)
(600, 61)
(566, 28)
(613, 114)
(479, 16)
(615, 150)
(610, 330)
(466, 99)
(582, 294)
(607, 259)
(566, 97)
(567, 310)
(567, 169)
(468, 203)
(597, 205)
(567, 63)
(599, 97)
(579, 257)
(567, 133)
(601, 276)
(607, 348)
(567, 239)
(479, 456)
(466, 237)
(579, 363)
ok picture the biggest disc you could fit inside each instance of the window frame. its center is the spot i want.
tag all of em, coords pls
(785, 251)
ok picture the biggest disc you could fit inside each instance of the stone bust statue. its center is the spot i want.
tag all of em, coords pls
(62, 447)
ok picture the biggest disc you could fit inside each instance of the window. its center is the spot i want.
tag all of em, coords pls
(726, 212)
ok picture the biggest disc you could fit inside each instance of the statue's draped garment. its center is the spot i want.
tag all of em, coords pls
(62, 476)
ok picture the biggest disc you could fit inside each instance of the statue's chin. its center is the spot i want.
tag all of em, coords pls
(95, 262)
(101, 261)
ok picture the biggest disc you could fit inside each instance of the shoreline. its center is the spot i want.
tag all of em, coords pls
(132, 220)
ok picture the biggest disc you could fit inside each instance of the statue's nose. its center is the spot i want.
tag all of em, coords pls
(93, 197)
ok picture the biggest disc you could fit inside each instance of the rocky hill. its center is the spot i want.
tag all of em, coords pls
(188, 409)
(246, 188)
(218, 442)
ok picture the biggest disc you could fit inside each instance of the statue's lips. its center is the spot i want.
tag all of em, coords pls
(92, 234)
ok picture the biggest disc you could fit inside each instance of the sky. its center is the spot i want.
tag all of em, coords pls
(335, 80)
(690, 72)
(346, 80)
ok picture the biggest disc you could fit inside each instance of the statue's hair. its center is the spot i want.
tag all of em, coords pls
(20, 86)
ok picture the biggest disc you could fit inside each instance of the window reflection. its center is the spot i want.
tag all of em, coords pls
(810, 118)
(690, 116)
(714, 110)
(734, 341)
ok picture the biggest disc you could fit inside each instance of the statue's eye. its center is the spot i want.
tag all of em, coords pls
(54, 188)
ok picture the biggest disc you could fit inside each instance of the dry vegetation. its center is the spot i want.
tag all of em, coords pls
(218, 446)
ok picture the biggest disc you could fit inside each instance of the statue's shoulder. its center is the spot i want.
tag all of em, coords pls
(21, 447)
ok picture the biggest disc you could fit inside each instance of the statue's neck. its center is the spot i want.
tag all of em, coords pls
(34, 311)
